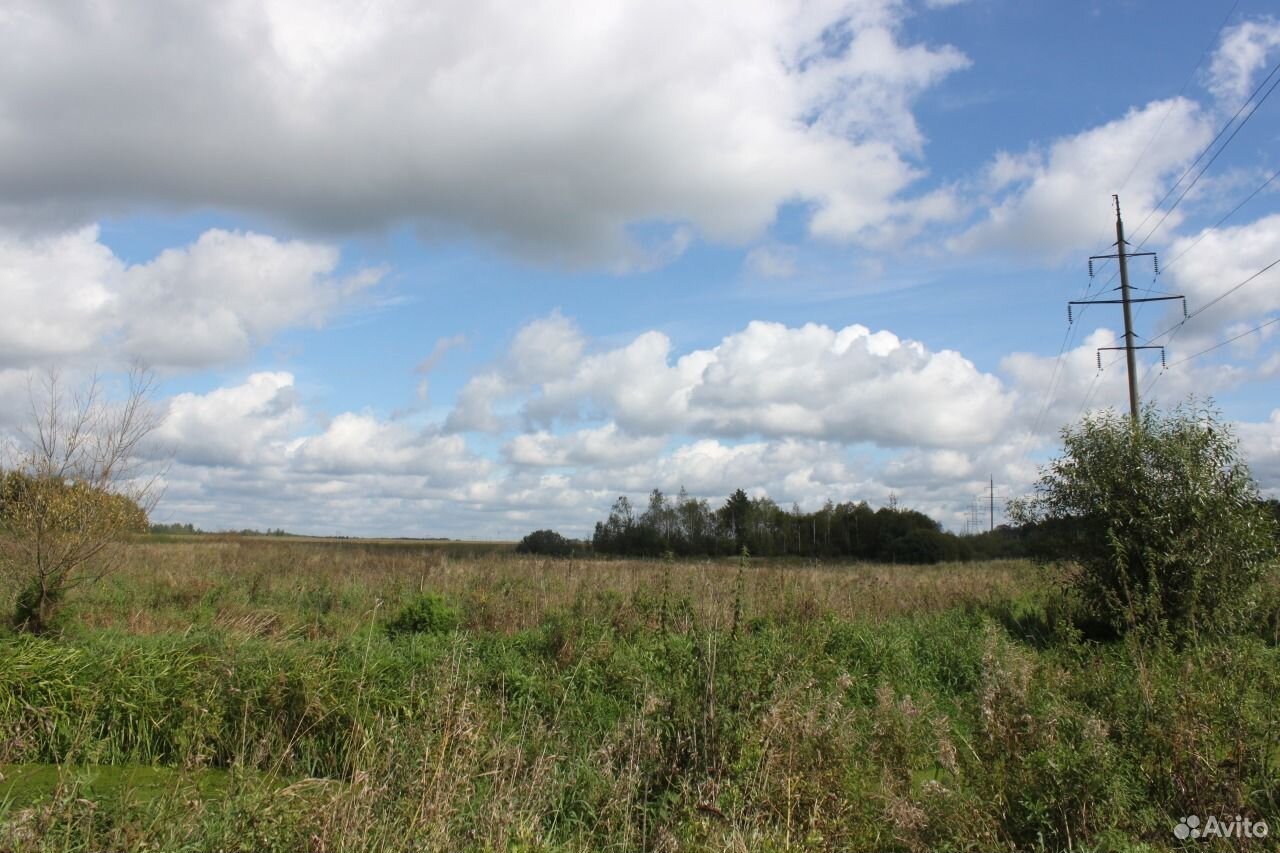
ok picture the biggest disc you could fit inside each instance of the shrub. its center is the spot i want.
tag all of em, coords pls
(73, 493)
(426, 614)
(547, 543)
(1161, 517)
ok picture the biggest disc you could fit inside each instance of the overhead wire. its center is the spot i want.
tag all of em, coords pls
(1274, 69)
(1173, 330)
(1068, 337)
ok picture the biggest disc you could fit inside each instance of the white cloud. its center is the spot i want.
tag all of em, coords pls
(848, 385)
(60, 294)
(428, 364)
(1245, 50)
(228, 293)
(1214, 263)
(247, 424)
(772, 261)
(248, 455)
(473, 408)
(1058, 201)
(1260, 443)
(549, 127)
(546, 349)
(69, 299)
(361, 444)
(605, 446)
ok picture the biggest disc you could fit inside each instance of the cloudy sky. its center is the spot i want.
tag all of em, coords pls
(471, 268)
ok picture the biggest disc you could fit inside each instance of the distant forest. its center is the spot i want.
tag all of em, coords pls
(686, 526)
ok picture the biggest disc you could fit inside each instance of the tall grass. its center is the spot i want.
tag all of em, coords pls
(597, 706)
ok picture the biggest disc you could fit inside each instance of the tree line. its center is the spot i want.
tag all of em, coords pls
(688, 526)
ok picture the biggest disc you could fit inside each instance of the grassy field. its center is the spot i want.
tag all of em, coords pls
(278, 694)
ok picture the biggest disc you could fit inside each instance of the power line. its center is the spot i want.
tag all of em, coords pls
(1172, 331)
(1229, 214)
(1215, 156)
(1126, 301)
(1202, 235)
(1185, 83)
(1069, 336)
(1213, 302)
(1257, 328)
(1202, 154)
(1217, 299)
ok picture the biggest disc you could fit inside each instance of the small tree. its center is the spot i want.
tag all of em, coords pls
(73, 492)
(1161, 517)
(546, 542)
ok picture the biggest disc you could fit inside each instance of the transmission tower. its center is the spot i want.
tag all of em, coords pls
(1126, 300)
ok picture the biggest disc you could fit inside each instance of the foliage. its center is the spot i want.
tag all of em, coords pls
(548, 543)
(688, 526)
(1162, 518)
(72, 494)
(584, 722)
(426, 614)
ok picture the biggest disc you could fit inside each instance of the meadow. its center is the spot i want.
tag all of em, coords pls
(273, 694)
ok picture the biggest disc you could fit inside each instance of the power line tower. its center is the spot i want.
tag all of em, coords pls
(971, 523)
(991, 497)
(991, 493)
(1122, 256)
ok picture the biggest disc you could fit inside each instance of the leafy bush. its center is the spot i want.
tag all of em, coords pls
(547, 543)
(1162, 519)
(426, 614)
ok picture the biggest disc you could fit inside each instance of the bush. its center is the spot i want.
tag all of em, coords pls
(1162, 519)
(426, 614)
(546, 542)
(73, 493)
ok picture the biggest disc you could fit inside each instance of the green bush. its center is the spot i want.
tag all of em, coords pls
(426, 614)
(547, 543)
(1161, 518)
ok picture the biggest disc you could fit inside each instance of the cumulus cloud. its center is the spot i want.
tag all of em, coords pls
(1260, 443)
(1215, 262)
(770, 380)
(604, 446)
(361, 444)
(1056, 200)
(227, 293)
(1245, 50)
(1053, 393)
(61, 293)
(68, 297)
(251, 455)
(549, 127)
(242, 425)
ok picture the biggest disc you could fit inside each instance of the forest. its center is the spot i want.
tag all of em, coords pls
(688, 527)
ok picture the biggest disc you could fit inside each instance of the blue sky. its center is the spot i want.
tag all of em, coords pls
(468, 269)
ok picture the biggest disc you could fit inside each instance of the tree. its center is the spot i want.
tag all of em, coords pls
(546, 542)
(1161, 517)
(735, 512)
(73, 491)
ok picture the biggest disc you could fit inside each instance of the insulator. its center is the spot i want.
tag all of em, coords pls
(1155, 259)
(1070, 319)
(1091, 268)
(1184, 307)
(1164, 365)
(1099, 355)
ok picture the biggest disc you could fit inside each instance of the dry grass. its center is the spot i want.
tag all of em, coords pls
(267, 587)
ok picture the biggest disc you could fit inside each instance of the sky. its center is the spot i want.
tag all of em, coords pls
(470, 269)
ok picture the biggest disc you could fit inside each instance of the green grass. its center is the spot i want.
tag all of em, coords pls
(541, 705)
(22, 785)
